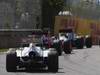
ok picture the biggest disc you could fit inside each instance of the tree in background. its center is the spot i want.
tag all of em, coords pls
(50, 9)
(86, 9)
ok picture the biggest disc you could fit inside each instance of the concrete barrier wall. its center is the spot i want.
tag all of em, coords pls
(12, 39)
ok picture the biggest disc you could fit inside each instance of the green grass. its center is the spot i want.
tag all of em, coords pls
(3, 50)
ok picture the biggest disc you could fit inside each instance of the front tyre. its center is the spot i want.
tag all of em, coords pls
(11, 62)
(57, 46)
(53, 61)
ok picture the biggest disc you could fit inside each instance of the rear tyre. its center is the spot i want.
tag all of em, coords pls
(67, 47)
(11, 62)
(53, 62)
(88, 42)
(79, 43)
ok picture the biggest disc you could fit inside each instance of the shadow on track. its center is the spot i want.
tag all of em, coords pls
(39, 71)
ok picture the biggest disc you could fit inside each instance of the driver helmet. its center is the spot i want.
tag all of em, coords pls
(31, 45)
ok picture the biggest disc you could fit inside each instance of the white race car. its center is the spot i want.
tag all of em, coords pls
(32, 55)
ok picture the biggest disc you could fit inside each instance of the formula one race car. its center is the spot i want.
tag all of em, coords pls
(32, 56)
(66, 37)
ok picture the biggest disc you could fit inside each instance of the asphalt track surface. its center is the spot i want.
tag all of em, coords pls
(81, 62)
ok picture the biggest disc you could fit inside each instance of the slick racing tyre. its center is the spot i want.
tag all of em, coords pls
(67, 47)
(53, 62)
(79, 43)
(57, 46)
(88, 42)
(11, 62)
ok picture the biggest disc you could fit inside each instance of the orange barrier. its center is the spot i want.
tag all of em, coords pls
(79, 25)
